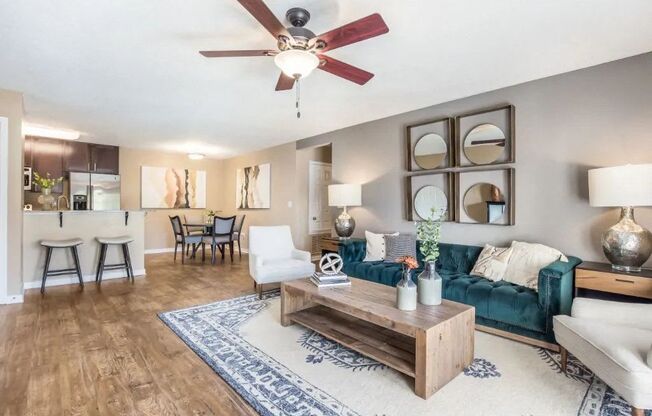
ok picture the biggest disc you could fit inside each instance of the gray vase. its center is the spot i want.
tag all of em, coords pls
(406, 292)
(429, 285)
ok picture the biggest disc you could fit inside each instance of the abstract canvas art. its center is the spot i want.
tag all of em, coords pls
(172, 188)
(253, 185)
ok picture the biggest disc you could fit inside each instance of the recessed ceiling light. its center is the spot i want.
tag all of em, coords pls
(44, 131)
(196, 156)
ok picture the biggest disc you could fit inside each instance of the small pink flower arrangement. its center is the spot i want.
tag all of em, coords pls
(408, 262)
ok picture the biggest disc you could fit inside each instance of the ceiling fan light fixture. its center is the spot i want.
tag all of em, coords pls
(296, 63)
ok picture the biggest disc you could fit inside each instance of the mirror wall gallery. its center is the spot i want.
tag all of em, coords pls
(257, 207)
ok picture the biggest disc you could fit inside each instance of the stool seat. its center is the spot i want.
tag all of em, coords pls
(72, 242)
(115, 240)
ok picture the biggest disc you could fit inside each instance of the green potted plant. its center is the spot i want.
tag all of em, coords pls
(429, 281)
(46, 199)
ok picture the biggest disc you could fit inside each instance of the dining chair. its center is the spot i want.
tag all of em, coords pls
(237, 231)
(221, 236)
(193, 230)
(181, 238)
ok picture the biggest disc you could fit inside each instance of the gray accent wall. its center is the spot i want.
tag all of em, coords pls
(565, 125)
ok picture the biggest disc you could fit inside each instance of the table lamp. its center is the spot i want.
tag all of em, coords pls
(627, 245)
(343, 196)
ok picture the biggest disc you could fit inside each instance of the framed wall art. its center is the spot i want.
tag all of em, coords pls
(253, 187)
(172, 188)
(430, 145)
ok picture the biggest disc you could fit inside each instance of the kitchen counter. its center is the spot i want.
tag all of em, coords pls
(86, 225)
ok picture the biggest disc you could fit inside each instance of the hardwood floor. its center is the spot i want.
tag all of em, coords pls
(104, 351)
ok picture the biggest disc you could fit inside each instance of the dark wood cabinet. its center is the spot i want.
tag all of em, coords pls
(47, 157)
(105, 159)
(77, 157)
(27, 154)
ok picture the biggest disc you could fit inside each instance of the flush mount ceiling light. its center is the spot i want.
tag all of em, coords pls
(44, 131)
(196, 156)
(300, 51)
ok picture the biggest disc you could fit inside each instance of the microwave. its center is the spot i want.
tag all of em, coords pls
(27, 178)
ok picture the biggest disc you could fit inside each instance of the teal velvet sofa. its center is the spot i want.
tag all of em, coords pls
(501, 306)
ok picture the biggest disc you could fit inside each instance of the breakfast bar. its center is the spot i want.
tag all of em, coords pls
(87, 226)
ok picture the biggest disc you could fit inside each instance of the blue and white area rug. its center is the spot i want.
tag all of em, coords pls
(294, 371)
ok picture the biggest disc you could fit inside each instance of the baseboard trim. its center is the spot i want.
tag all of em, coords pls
(11, 299)
(72, 280)
(159, 250)
(517, 337)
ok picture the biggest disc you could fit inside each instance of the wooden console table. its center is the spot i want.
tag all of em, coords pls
(433, 344)
(601, 277)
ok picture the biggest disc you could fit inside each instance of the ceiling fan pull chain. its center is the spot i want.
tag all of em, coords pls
(298, 99)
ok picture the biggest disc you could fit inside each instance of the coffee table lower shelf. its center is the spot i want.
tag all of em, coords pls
(385, 346)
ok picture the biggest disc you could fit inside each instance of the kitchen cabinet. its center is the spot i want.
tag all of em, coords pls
(47, 157)
(77, 157)
(105, 159)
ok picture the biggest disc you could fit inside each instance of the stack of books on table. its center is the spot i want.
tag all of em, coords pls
(330, 280)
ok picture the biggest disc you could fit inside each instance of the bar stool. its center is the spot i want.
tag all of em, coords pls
(105, 242)
(51, 245)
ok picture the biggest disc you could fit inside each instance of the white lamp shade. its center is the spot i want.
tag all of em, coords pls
(295, 62)
(621, 186)
(345, 195)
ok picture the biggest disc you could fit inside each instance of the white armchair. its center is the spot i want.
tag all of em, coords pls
(614, 340)
(273, 258)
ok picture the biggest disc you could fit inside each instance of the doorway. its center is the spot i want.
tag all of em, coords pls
(4, 206)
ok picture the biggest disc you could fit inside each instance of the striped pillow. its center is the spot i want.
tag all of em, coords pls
(400, 245)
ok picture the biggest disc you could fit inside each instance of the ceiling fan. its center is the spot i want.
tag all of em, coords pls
(300, 51)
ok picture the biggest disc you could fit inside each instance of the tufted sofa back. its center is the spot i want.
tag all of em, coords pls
(452, 257)
(457, 257)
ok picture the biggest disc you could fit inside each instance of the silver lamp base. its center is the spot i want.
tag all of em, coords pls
(627, 245)
(344, 225)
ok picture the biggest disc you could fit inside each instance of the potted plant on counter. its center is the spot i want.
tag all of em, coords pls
(46, 199)
(429, 281)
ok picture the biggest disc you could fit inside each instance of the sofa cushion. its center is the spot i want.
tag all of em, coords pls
(615, 353)
(397, 246)
(492, 262)
(375, 247)
(499, 301)
(457, 257)
(526, 261)
(280, 270)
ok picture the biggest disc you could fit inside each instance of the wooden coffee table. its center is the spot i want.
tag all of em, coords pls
(432, 344)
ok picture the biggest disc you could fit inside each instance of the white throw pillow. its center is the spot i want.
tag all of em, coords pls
(526, 261)
(375, 246)
(492, 262)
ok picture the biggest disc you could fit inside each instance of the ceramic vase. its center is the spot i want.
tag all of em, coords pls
(406, 292)
(429, 285)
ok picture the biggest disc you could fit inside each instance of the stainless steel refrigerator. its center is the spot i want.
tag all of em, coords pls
(101, 192)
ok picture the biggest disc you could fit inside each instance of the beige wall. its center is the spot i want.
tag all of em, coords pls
(11, 106)
(565, 125)
(302, 238)
(283, 169)
(158, 232)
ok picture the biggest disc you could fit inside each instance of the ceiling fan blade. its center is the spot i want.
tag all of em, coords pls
(265, 17)
(365, 28)
(226, 54)
(344, 70)
(284, 83)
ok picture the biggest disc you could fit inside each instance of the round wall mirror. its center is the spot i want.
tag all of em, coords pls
(484, 203)
(484, 144)
(430, 151)
(427, 198)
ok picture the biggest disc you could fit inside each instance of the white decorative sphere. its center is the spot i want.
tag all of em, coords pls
(331, 263)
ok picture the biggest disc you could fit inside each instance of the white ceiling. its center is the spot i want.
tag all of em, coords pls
(127, 72)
